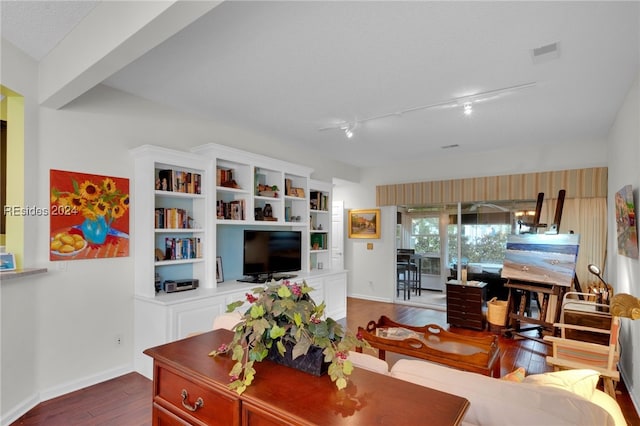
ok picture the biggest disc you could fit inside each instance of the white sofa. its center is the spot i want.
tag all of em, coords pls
(558, 398)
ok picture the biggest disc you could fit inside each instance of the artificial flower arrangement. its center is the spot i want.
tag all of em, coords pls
(283, 314)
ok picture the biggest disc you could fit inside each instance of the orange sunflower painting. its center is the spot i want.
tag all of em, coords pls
(89, 216)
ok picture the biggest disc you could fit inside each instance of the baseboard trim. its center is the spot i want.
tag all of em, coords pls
(17, 411)
(44, 395)
(372, 298)
(632, 395)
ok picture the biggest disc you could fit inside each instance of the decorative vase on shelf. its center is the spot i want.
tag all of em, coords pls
(95, 230)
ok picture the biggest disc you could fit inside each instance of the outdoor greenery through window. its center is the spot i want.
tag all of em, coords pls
(484, 229)
(425, 235)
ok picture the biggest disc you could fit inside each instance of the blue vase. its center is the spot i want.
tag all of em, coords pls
(95, 230)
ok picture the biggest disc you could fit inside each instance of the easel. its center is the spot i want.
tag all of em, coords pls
(518, 303)
(519, 299)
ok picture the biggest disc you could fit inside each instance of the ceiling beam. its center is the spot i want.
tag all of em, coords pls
(112, 36)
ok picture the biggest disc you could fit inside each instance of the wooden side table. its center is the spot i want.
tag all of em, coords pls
(464, 304)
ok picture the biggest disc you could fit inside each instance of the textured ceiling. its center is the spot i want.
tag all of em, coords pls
(36, 27)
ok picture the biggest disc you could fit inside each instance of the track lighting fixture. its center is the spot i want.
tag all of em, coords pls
(465, 101)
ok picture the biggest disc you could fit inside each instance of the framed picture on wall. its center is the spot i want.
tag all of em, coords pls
(7, 262)
(219, 273)
(364, 223)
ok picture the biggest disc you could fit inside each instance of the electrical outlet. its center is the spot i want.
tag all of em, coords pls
(118, 339)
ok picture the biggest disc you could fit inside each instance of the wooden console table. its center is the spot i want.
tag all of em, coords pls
(433, 343)
(190, 387)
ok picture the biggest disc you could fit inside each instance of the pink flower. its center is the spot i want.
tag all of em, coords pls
(296, 290)
(223, 348)
(315, 319)
(251, 298)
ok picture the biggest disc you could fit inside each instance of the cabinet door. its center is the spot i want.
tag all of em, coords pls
(195, 316)
(335, 289)
(318, 293)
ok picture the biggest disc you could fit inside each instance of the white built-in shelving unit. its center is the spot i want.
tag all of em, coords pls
(228, 201)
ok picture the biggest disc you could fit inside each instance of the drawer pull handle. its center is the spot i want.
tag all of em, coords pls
(199, 402)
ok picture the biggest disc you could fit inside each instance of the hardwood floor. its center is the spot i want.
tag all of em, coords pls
(126, 400)
(123, 401)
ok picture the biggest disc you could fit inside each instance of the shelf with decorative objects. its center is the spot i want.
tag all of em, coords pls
(320, 224)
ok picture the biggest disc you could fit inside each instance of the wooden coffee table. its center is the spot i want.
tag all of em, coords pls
(433, 343)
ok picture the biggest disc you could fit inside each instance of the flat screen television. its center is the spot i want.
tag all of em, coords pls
(266, 253)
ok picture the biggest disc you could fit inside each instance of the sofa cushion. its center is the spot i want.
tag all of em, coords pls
(369, 362)
(580, 382)
(499, 402)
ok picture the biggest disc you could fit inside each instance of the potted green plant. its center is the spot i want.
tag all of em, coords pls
(283, 320)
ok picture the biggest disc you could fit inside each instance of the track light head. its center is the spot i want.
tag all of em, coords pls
(348, 129)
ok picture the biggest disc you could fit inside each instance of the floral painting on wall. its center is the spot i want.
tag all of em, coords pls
(626, 223)
(89, 216)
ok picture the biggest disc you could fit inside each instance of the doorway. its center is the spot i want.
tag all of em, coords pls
(475, 233)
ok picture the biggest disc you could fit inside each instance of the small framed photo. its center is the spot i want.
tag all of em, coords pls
(364, 223)
(219, 273)
(7, 262)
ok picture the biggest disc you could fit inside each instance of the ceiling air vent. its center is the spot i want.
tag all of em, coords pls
(545, 53)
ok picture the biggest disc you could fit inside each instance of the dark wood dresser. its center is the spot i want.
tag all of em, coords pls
(464, 304)
(190, 388)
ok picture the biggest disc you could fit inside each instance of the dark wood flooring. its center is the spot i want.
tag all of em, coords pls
(126, 400)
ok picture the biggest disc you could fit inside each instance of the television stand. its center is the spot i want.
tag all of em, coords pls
(252, 279)
(284, 277)
(261, 279)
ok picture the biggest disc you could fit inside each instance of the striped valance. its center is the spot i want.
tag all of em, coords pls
(578, 183)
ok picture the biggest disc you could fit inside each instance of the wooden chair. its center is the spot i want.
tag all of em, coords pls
(581, 345)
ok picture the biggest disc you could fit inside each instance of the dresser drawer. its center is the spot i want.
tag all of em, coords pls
(194, 401)
(474, 296)
(162, 417)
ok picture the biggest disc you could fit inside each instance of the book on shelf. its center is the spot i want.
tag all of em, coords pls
(233, 210)
(172, 218)
(182, 248)
(179, 181)
(318, 241)
(225, 177)
(318, 201)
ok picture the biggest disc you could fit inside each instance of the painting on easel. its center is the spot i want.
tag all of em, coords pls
(542, 258)
(627, 232)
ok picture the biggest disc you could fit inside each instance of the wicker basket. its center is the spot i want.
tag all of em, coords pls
(497, 311)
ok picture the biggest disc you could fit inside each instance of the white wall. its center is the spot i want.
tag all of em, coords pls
(58, 330)
(622, 272)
